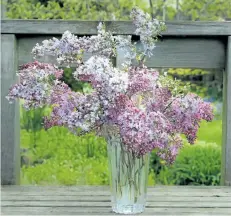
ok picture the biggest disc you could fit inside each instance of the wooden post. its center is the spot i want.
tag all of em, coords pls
(226, 127)
(10, 137)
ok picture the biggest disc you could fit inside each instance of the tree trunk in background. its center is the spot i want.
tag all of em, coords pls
(177, 10)
(151, 8)
(3, 9)
(164, 10)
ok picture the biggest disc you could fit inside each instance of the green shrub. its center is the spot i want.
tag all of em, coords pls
(70, 81)
(195, 165)
(31, 120)
(208, 132)
(73, 9)
(205, 83)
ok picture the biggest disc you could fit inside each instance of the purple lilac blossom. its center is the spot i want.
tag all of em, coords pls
(70, 48)
(35, 84)
(145, 108)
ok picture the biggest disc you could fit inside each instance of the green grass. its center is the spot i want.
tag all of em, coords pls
(211, 132)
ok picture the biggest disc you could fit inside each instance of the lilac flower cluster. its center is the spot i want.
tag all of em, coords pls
(73, 110)
(141, 80)
(35, 84)
(148, 110)
(70, 48)
(147, 28)
(185, 113)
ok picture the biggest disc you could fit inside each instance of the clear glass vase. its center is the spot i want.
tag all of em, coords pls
(128, 178)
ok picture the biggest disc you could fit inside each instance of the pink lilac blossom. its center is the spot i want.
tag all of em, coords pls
(142, 104)
(141, 80)
(158, 99)
(142, 132)
(169, 149)
(185, 113)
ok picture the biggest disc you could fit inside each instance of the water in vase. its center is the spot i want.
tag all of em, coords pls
(128, 178)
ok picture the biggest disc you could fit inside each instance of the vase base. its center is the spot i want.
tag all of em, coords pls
(128, 209)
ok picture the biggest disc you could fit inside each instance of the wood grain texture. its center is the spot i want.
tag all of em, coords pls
(117, 27)
(188, 53)
(30, 200)
(86, 204)
(10, 163)
(171, 52)
(105, 188)
(106, 198)
(226, 148)
(106, 193)
(169, 211)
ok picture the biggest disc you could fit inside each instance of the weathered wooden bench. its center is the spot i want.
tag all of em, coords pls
(184, 45)
(95, 200)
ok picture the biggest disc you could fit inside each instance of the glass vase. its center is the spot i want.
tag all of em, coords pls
(128, 177)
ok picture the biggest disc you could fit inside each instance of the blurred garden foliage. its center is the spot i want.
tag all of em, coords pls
(73, 9)
(211, 10)
(58, 157)
(195, 165)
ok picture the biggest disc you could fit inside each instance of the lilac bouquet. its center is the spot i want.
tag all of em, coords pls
(147, 111)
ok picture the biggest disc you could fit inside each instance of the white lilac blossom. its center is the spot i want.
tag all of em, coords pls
(127, 48)
(107, 80)
(147, 28)
(148, 110)
(70, 48)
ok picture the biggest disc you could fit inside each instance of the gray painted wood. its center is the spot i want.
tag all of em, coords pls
(188, 53)
(171, 52)
(118, 27)
(107, 211)
(49, 201)
(10, 164)
(98, 193)
(105, 188)
(90, 203)
(104, 191)
(106, 198)
(226, 148)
